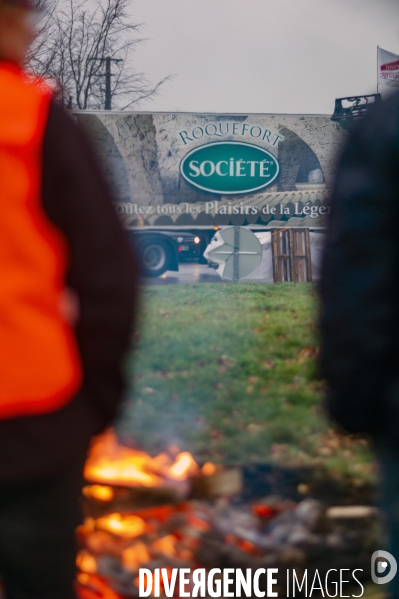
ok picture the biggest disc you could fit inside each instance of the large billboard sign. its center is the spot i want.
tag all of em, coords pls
(201, 170)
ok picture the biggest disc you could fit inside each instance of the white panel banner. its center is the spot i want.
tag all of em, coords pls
(388, 71)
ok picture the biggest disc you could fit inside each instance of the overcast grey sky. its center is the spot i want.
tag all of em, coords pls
(276, 56)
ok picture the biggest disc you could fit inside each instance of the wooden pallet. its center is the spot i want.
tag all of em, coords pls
(291, 255)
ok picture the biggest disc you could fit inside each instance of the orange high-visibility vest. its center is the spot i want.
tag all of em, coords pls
(39, 361)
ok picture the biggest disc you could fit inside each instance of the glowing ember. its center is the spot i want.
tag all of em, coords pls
(86, 562)
(135, 556)
(92, 587)
(87, 527)
(208, 469)
(197, 523)
(122, 526)
(166, 545)
(184, 466)
(109, 462)
(100, 492)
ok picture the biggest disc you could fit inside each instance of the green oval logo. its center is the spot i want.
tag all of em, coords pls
(230, 167)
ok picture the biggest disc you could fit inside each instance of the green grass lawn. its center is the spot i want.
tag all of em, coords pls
(229, 372)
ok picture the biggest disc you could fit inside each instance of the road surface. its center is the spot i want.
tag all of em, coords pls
(188, 274)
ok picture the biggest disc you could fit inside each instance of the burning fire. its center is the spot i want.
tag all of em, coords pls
(111, 463)
(121, 539)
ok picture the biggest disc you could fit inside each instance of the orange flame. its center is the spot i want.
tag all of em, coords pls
(100, 492)
(109, 462)
(125, 526)
(183, 466)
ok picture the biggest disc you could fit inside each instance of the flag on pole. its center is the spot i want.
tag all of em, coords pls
(388, 71)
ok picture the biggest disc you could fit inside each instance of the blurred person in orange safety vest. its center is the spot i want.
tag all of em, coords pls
(60, 368)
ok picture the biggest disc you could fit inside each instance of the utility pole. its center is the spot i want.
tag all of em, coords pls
(108, 95)
(108, 76)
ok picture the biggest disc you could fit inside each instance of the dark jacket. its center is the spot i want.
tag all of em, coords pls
(360, 287)
(103, 273)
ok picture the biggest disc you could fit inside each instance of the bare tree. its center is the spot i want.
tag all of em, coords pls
(72, 44)
(43, 51)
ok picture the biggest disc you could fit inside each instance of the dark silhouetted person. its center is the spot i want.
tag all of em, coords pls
(60, 375)
(360, 298)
